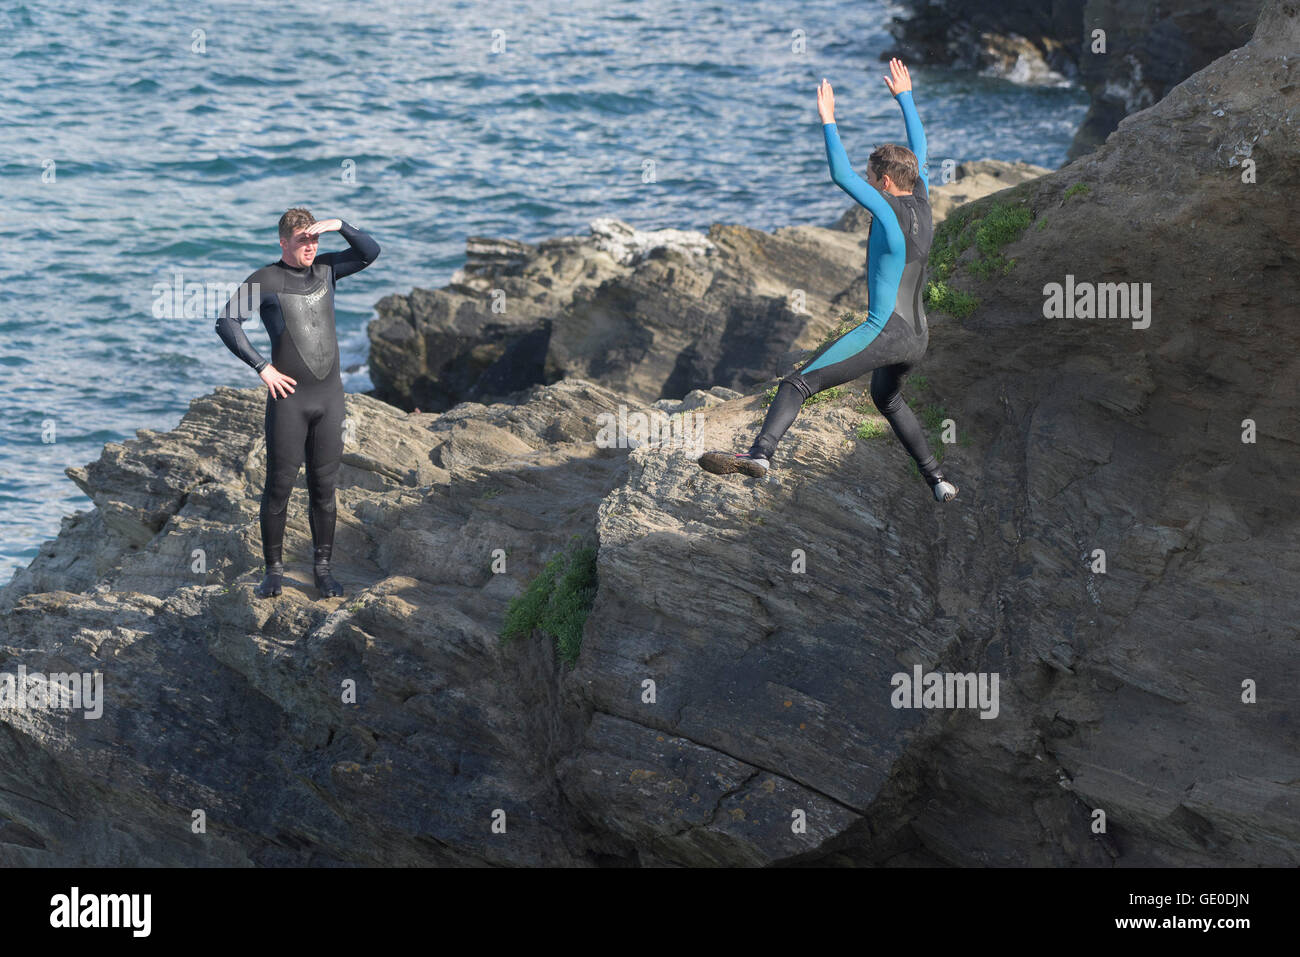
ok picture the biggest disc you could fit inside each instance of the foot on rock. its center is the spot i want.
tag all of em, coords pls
(326, 583)
(945, 491)
(726, 463)
(270, 585)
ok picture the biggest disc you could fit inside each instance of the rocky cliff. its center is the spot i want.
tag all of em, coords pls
(1149, 47)
(1123, 556)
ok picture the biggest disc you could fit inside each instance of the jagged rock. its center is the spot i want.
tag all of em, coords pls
(629, 246)
(1019, 60)
(653, 315)
(484, 255)
(221, 702)
(1024, 40)
(735, 676)
(697, 399)
(1150, 47)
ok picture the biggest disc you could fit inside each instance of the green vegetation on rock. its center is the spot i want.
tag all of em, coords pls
(557, 602)
(944, 298)
(998, 225)
(873, 429)
(847, 322)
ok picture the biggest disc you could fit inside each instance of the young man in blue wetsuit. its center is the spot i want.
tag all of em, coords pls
(895, 334)
(304, 401)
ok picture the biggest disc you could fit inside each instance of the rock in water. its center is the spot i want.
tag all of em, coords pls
(1149, 47)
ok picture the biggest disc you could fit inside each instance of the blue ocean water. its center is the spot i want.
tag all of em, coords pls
(153, 146)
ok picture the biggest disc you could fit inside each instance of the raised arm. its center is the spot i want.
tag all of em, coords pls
(842, 175)
(900, 85)
(362, 252)
(230, 322)
(915, 134)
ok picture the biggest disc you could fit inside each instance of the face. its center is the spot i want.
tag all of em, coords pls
(300, 248)
(877, 182)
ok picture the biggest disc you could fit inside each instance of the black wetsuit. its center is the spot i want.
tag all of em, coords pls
(297, 308)
(895, 334)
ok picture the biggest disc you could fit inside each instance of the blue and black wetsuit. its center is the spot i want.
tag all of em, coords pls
(297, 308)
(895, 335)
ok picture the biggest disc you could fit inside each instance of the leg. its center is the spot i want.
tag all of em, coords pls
(887, 394)
(285, 431)
(324, 451)
(852, 355)
(780, 414)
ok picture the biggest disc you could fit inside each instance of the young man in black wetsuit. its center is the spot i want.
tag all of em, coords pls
(895, 334)
(304, 402)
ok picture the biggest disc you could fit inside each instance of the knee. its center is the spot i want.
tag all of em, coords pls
(275, 494)
(800, 383)
(321, 483)
(887, 401)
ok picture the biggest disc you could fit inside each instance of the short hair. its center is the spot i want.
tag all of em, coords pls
(896, 162)
(293, 220)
